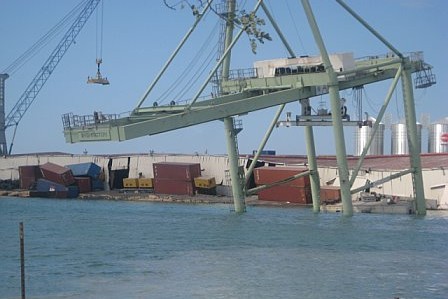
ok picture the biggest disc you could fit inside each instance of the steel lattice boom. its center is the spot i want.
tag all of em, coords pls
(33, 89)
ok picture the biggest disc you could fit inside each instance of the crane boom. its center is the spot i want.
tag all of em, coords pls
(33, 89)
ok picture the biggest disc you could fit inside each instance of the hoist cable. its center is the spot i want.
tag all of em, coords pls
(204, 66)
(189, 68)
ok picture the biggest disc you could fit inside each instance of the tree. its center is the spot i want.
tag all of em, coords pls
(249, 22)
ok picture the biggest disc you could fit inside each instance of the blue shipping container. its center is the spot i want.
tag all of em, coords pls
(85, 169)
(97, 185)
(44, 185)
(73, 191)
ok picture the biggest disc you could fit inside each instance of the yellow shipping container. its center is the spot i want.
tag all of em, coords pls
(130, 183)
(204, 182)
(145, 183)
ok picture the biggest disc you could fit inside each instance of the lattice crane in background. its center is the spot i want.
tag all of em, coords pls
(29, 95)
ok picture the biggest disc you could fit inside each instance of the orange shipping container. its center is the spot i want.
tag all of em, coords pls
(283, 193)
(330, 194)
(176, 171)
(267, 175)
(178, 187)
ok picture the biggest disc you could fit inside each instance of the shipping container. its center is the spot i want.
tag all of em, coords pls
(49, 194)
(206, 191)
(56, 173)
(84, 184)
(46, 185)
(41, 194)
(97, 185)
(176, 171)
(28, 175)
(116, 178)
(178, 187)
(330, 194)
(130, 183)
(268, 175)
(292, 194)
(204, 182)
(146, 183)
(72, 191)
(85, 169)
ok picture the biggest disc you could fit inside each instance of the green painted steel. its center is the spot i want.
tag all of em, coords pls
(232, 152)
(413, 140)
(338, 130)
(229, 127)
(312, 166)
(154, 120)
(375, 127)
(264, 141)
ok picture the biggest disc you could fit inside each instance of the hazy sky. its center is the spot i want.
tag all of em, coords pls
(139, 36)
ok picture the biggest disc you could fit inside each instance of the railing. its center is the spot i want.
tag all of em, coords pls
(413, 56)
(69, 120)
(243, 74)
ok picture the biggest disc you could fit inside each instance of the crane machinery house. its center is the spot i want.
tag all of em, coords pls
(305, 64)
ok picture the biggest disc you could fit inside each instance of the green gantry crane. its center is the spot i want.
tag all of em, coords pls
(275, 84)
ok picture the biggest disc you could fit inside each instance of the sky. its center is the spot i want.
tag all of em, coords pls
(140, 35)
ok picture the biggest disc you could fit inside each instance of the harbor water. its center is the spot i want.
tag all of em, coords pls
(122, 249)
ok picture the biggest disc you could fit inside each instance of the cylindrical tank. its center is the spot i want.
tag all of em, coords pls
(399, 139)
(438, 137)
(362, 136)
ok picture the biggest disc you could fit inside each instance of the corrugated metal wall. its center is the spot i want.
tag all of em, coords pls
(216, 166)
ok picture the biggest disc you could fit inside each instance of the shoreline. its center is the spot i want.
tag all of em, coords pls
(146, 195)
(149, 196)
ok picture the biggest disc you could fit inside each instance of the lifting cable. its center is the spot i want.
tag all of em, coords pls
(99, 32)
(357, 101)
(99, 79)
(189, 68)
(19, 62)
(296, 28)
(203, 67)
(369, 102)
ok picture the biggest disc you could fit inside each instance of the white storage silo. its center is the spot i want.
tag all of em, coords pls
(362, 135)
(399, 139)
(438, 137)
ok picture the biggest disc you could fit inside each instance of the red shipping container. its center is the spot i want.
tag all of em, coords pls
(57, 174)
(283, 193)
(330, 194)
(84, 184)
(267, 175)
(176, 171)
(166, 186)
(28, 175)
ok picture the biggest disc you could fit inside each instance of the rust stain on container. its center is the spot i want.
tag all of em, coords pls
(267, 175)
(177, 187)
(293, 194)
(176, 171)
(28, 176)
(330, 194)
(84, 184)
(58, 174)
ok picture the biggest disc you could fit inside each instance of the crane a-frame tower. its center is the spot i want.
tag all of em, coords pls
(242, 92)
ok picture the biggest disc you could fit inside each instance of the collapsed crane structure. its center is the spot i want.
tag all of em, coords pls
(245, 91)
(29, 95)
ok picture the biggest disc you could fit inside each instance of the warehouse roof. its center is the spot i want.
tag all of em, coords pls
(389, 162)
